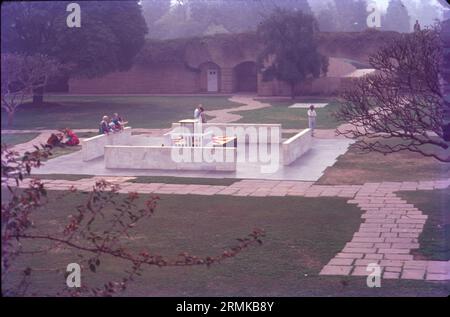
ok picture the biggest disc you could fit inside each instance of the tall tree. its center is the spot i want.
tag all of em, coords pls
(290, 48)
(111, 34)
(401, 107)
(396, 17)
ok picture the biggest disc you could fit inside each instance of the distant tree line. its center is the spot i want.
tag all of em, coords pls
(186, 18)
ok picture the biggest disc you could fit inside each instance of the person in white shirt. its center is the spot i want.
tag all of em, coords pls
(197, 112)
(312, 119)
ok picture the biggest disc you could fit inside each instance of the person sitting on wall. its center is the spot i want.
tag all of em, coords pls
(104, 126)
(118, 122)
(71, 137)
(55, 140)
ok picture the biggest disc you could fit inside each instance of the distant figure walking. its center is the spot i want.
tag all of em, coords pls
(312, 119)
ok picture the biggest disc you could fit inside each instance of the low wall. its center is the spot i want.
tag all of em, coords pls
(296, 146)
(162, 157)
(246, 132)
(94, 147)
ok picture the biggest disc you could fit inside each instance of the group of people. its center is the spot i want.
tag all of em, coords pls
(65, 137)
(111, 125)
(199, 114)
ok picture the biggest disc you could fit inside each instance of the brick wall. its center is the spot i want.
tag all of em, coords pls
(161, 79)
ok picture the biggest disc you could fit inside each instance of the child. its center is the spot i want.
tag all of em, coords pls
(312, 119)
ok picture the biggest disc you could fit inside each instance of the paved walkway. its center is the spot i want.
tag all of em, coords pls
(389, 232)
(228, 115)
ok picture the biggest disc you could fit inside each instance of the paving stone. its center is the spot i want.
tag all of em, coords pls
(373, 256)
(411, 274)
(405, 257)
(341, 261)
(438, 277)
(392, 263)
(336, 270)
(396, 269)
(393, 251)
(349, 255)
(391, 275)
(440, 267)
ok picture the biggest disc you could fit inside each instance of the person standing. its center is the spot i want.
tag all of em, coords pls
(312, 119)
(202, 115)
(197, 112)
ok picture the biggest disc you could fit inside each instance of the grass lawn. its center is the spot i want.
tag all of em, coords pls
(302, 234)
(354, 167)
(17, 138)
(435, 238)
(83, 112)
(184, 180)
(292, 118)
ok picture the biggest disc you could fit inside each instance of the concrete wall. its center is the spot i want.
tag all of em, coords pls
(92, 148)
(159, 157)
(296, 146)
(241, 128)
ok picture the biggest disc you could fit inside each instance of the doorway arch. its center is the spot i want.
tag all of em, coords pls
(245, 77)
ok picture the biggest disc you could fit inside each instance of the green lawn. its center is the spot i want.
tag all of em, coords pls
(292, 118)
(302, 235)
(61, 111)
(435, 238)
(355, 167)
(17, 138)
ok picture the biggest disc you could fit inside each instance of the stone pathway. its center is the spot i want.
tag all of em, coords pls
(228, 115)
(388, 234)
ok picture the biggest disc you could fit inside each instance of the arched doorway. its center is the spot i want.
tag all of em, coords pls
(209, 77)
(245, 77)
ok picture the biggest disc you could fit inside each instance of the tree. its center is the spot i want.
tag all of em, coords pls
(445, 75)
(290, 48)
(401, 106)
(21, 76)
(95, 230)
(396, 17)
(111, 34)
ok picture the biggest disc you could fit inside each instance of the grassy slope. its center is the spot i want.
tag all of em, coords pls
(302, 235)
(356, 168)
